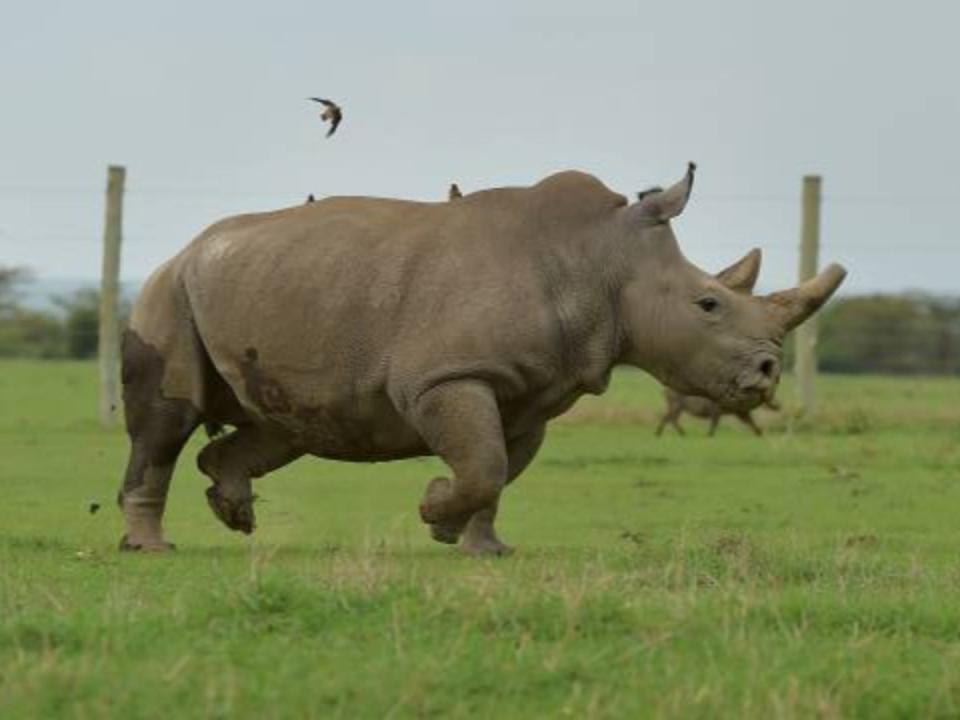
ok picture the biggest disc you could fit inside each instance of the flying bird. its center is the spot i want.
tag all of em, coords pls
(331, 112)
(454, 193)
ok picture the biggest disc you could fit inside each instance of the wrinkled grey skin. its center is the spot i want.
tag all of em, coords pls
(367, 329)
(707, 409)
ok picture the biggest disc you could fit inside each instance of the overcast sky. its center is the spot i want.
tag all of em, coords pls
(205, 105)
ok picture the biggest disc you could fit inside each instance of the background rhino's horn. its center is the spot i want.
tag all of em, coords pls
(742, 275)
(664, 205)
(797, 304)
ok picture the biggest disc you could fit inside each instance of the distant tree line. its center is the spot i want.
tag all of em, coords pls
(906, 334)
(891, 334)
(27, 333)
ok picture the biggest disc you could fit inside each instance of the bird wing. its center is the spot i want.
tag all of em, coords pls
(325, 102)
(333, 124)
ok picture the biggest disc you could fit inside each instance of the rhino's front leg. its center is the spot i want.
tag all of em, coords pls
(460, 422)
(480, 537)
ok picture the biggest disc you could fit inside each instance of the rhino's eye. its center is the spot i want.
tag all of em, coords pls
(707, 304)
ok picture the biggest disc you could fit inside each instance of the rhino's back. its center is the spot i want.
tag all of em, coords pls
(329, 286)
(321, 310)
(362, 271)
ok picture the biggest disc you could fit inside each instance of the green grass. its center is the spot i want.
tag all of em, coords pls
(814, 572)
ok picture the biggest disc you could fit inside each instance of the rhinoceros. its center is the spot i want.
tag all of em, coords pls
(701, 407)
(364, 330)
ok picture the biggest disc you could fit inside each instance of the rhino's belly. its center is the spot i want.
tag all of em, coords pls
(367, 432)
(357, 439)
(700, 407)
(328, 416)
(530, 411)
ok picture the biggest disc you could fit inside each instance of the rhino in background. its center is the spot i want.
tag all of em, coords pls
(702, 407)
(364, 329)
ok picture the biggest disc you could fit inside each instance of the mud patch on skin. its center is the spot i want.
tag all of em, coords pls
(328, 433)
(153, 421)
(324, 431)
(266, 394)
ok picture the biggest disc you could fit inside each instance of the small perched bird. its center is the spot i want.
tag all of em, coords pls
(331, 112)
(454, 193)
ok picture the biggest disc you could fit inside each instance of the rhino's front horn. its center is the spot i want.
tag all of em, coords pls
(797, 304)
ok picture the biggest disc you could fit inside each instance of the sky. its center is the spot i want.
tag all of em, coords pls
(205, 104)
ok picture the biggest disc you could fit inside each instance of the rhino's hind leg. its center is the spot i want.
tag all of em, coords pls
(714, 421)
(460, 422)
(675, 421)
(663, 423)
(480, 537)
(670, 416)
(158, 428)
(143, 497)
(747, 419)
(232, 461)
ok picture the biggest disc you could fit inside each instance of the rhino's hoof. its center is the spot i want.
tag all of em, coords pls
(442, 529)
(236, 514)
(489, 547)
(126, 545)
(449, 534)
(438, 490)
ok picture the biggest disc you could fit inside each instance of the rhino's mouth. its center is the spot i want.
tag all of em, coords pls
(734, 394)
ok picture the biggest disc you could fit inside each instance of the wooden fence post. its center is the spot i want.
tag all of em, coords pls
(109, 333)
(805, 366)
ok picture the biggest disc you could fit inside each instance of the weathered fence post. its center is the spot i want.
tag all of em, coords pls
(805, 365)
(109, 333)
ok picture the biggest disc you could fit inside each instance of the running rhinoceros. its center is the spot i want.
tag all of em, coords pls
(365, 329)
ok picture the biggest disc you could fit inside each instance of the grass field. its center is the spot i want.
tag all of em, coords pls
(811, 573)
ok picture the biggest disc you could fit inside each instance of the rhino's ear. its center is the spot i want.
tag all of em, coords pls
(657, 206)
(742, 275)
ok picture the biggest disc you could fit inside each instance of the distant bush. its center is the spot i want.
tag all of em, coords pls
(24, 333)
(81, 323)
(72, 333)
(892, 334)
